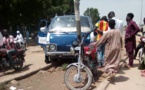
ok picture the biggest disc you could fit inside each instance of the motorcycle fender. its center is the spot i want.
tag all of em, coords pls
(76, 64)
(72, 64)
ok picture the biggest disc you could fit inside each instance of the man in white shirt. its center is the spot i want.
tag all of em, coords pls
(19, 37)
(118, 22)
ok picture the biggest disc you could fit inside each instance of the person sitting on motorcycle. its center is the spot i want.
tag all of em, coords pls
(140, 45)
(19, 38)
(8, 43)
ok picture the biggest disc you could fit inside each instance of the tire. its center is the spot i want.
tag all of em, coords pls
(141, 56)
(86, 84)
(23, 46)
(18, 64)
(53, 60)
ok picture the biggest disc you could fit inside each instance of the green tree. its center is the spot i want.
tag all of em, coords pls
(29, 12)
(19, 12)
(93, 13)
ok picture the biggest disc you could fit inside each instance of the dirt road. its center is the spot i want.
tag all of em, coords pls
(34, 60)
(51, 79)
(46, 80)
(54, 80)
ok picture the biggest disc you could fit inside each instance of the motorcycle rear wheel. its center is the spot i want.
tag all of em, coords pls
(82, 83)
(141, 56)
(24, 46)
(18, 64)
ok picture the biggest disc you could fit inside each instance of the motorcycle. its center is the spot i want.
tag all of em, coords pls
(83, 68)
(17, 57)
(142, 50)
(90, 58)
(21, 45)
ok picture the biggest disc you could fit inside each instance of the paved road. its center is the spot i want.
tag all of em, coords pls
(34, 61)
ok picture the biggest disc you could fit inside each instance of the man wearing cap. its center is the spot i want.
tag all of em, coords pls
(19, 37)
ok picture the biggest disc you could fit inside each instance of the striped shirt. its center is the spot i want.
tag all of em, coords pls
(103, 26)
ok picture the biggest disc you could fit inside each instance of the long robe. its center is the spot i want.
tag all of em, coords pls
(130, 43)
(112, 50)
(131, 29)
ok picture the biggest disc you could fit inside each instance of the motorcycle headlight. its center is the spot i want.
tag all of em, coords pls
(72, 50)
(75, 43)
(88, 52)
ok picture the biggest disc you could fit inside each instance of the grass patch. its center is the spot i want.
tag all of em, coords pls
(3, 86)
(64, 66)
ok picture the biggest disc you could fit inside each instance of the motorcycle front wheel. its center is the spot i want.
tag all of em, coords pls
(73, 81)
(141, 56)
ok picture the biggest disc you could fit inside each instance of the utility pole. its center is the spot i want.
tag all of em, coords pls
(141, 12)
(77, 18)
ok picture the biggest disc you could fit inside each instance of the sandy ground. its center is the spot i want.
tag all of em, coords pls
(34, 60)
(129, 79)
(46, 80)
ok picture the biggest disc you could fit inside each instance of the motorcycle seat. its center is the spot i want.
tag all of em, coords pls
(20, 51)
(3, 52)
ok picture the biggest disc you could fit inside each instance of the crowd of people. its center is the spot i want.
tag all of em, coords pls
(7, 42)
(108, 39)
(109, 35)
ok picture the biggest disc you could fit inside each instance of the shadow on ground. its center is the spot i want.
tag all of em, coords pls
(8, 72)
(118, 79)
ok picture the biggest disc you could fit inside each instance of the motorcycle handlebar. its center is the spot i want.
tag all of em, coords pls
(138, 35)
(86, 35)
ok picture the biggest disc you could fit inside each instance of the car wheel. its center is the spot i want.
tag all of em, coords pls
(53, 60)
(47, 61)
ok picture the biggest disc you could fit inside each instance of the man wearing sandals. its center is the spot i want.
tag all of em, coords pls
(112, 49)
(130, 41)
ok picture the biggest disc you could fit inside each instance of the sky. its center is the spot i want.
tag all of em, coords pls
(120, 7)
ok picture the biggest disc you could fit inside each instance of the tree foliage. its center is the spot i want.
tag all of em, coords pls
(93, 13)
(29, 12)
